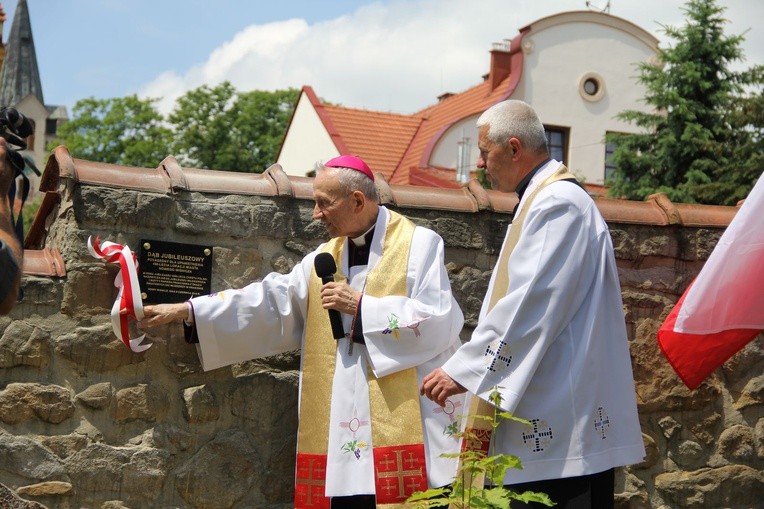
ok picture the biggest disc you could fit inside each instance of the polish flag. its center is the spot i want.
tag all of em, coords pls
(723, 309)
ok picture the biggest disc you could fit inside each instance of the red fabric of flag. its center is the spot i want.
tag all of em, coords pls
(723, 309)
(695, 356)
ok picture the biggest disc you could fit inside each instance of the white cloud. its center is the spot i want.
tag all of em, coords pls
(398, 56)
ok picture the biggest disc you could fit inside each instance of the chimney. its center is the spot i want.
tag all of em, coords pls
(501, 60)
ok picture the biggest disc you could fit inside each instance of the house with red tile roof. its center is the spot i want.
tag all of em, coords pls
(577, 69)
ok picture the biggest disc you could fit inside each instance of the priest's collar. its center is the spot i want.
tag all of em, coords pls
(359, 247)
(364, 239)
(523, 185)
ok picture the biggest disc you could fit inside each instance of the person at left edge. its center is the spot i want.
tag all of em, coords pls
(395, 300)
(11, 251)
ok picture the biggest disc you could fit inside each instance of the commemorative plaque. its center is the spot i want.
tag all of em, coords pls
(173, 272)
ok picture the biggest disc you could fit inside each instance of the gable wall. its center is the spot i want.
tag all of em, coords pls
(305, 137)
(556, 59)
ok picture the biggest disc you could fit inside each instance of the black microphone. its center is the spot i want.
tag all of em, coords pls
(325, 269)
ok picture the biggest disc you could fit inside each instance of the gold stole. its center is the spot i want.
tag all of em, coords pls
(398, 440)
(478, 427)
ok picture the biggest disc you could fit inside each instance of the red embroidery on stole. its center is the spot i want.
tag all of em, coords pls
(399, 471)
(479, 440)
(310, 482)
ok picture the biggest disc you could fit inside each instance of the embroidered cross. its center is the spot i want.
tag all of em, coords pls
(602, 422)
(415, 327)
(400, 474)
(387, 462)
(449, 409)
(414, 485)
(500, 353)
(389, 487)
(540, 437)
(312, 480)
(354, 424)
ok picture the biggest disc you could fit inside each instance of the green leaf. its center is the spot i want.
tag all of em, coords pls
(532, 496)
(496, 497)
(509, 417)
(435, 497)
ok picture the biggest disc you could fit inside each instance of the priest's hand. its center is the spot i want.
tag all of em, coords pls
(340, 296)
(161, 314)
(438, 386)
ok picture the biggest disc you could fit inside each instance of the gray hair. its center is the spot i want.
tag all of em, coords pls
(513, 118)
(351, 180)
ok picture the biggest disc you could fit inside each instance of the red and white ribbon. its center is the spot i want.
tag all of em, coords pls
(128, 303)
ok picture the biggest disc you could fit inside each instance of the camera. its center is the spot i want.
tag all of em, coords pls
(15, 128)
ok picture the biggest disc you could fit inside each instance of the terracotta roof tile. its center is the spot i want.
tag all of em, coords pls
(44, 262)
(379, 138)
(396, 145)
(433, 177)
(441, 116)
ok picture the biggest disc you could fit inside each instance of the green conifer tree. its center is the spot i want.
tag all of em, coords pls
(702, 143)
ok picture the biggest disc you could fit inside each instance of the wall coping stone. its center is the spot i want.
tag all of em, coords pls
(170, 178)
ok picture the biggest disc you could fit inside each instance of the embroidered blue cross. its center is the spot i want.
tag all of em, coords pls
(500, 354)
(602, 422)
(540, 437)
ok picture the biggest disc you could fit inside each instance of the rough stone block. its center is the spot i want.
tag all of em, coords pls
(200, 404)
(20, 402)
(140, 402)
(95, 349)
(736, 444)
(727, 486)
(205, 481)
(46, 489)
(89, 289)
(22, 344)
(97, 396)
(24, 459)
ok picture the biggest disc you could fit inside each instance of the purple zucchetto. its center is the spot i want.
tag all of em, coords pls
(352, 162)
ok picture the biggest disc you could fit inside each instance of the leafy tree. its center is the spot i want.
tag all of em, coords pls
(703, 141)
(220, 128)
(127, 131)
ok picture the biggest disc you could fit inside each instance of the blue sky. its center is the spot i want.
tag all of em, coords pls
(392, 55)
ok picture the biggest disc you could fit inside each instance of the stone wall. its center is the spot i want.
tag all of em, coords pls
(86, 423)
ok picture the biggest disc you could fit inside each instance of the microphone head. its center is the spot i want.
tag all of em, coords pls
(324, 265)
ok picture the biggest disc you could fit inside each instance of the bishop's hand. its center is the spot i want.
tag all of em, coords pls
(161, 314)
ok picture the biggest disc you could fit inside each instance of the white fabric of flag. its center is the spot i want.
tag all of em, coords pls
(729, 291)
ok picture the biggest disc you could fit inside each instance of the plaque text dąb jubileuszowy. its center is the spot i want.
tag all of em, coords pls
(173, 272)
